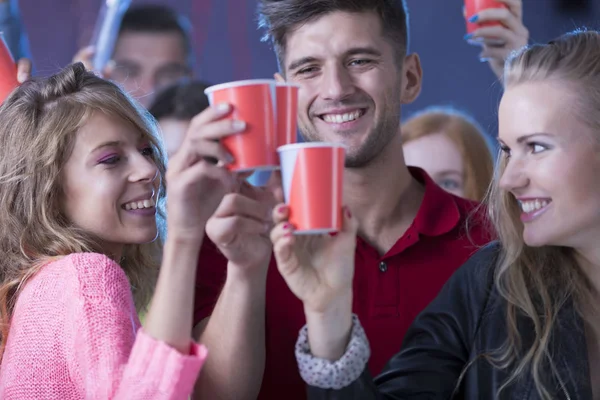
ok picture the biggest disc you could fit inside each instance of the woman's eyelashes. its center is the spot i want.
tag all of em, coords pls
(115, 158)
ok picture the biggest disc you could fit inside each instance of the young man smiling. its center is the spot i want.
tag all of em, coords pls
(350, 59)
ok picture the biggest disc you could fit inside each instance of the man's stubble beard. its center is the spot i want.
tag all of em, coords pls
(384, 131)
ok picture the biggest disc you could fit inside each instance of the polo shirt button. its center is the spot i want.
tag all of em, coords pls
(382, 266)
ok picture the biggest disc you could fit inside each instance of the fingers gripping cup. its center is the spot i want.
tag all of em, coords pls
(252, 101)
(473, 7)
(8, 71)
(312, 175)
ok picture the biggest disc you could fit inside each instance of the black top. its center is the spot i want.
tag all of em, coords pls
(453, 334)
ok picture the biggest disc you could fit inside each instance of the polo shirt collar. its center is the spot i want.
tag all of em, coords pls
(438, 213)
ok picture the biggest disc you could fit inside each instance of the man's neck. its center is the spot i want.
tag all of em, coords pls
(384, 197)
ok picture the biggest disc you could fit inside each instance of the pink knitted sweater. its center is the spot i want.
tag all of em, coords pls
(75, 334)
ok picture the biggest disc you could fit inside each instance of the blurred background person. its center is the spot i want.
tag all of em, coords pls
(174, 108)
(153, 50)
(452, 148)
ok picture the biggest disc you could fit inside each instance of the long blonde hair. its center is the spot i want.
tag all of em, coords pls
(38, 125)
(468, 137)
(538, 282)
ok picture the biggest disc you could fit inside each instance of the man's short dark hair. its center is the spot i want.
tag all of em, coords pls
(279, 17)
(181, 101)
(158, 18)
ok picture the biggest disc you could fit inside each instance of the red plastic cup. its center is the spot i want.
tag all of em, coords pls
(286, 113)
(312, 176)
(8, 71)
(252, 101)
(473, 7)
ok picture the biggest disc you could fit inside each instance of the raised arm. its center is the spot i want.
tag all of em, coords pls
(332, 350)
(235, 330)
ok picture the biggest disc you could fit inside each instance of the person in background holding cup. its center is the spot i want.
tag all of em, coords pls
(499, 30)
(153, 50)
(452, 148)
(174, 107)
(349, 59)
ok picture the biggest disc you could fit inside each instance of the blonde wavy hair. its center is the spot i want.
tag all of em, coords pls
(39, 122)
(538, 282)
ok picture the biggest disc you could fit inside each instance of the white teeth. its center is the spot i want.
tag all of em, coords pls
(533, 205)
(340, 118)
(136, 205)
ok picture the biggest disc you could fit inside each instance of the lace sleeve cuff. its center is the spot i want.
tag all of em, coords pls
(326, 374)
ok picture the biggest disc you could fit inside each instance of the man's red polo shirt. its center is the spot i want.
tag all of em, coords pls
(389, 291)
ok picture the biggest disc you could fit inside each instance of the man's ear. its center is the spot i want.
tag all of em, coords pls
(412, 79)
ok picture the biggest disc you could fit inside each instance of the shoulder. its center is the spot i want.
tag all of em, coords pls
(93, 265)
(98, 276)
(476, 276)
(465, 295)
(487, 255)
(454, 316)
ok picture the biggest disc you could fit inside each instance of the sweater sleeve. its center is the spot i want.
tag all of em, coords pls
(112, 359)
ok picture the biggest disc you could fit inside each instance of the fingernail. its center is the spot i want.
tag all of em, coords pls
(468, 36)
(281, 209)
(223, 107)
(286, 226)
(474, 18)
(348, 213)
(238, 125)
(289, 234)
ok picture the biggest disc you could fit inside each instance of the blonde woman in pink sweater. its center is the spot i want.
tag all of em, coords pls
(81, 173)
